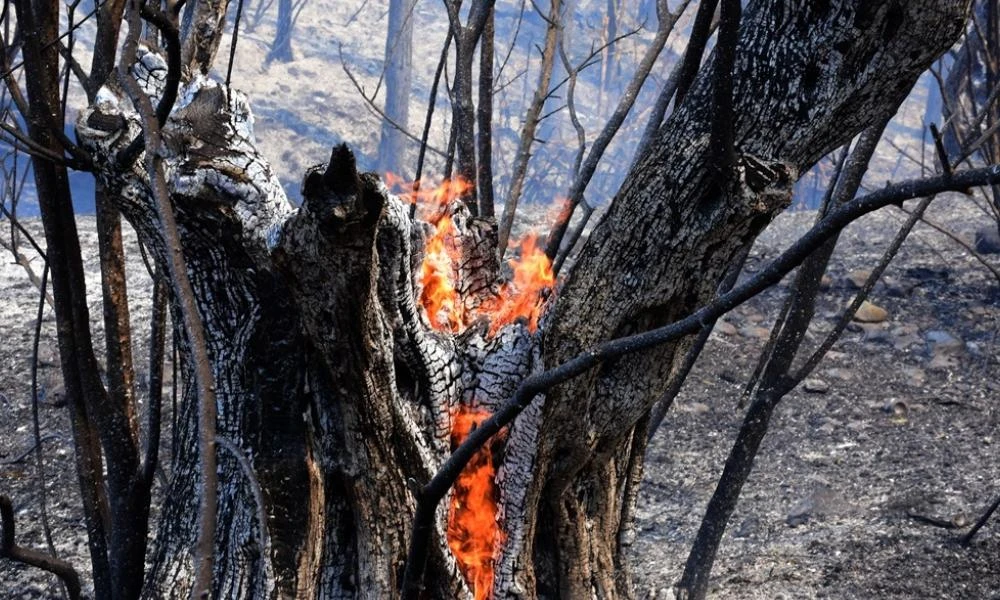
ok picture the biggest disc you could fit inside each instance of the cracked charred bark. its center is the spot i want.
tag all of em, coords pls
(342, 398)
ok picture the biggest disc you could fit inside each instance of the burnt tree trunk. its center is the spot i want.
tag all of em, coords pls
(342, 398)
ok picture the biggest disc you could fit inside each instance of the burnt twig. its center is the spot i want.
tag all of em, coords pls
(967, 538)
(9, 549)
(614, 123)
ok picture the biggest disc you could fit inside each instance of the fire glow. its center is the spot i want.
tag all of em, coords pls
(473, 533)
(520, 298)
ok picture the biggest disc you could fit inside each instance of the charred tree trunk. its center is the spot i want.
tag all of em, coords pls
(342, 397)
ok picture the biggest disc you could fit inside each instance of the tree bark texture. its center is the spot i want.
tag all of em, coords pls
(342, 399)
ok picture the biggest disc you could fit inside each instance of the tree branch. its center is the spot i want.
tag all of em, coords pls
(614, 123)
(520, 167)
(194, 328)
(722, 89)
(9, 549)
(372, 106)
(700, 32)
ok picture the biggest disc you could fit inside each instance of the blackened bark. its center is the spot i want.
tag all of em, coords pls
(202, 34)
(666, 240)
(484, 120)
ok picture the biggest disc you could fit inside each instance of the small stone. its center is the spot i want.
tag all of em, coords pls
(915, 376)
(926, 273)
(903, 342)
(821, 502)
(747, 528)
(856, 279)
(698, 408)
(726, 328)
(875, 333)
(755, 331)
(943, 362)
(942, 341)
(988, 240)
(897, 410)
(730, 376)
(979, 310)
(896, 288)
(825, 282)
(870, 313)
(837, 373)
(816, 386)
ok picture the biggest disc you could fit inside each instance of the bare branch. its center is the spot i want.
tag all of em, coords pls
(967, 538)
(431, 103)
(722, 90)
(611, 128)
(194, 328)
(520, 167)
(203, 38)
(157, 339)
(9, 549)
(374, 108)
(700, 32)
(484, 120)
(957, 240)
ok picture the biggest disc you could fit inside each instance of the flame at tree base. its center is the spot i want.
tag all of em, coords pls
(473, 533)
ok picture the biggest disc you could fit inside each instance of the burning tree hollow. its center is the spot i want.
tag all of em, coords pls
(392, 336)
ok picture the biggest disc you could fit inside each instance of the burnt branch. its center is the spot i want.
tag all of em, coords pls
(374, 108)
(532, 115)
(957, 241)
(194, 328)
(157, 341)
(204, 35)
(484, 119)
(700, 32)
(614, 123)
(10, 549)
(166, 23)
(722, 89)
(967, 538)
(678, 377)
(428, 120)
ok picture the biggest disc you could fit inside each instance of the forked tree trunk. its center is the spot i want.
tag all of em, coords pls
(342, 398)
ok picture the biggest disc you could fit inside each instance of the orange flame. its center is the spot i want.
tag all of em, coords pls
(473, 533)
(438, 295)
(521, 298)
(524, 295)
(426, 194)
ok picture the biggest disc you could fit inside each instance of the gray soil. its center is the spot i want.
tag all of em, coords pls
(846, 483)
